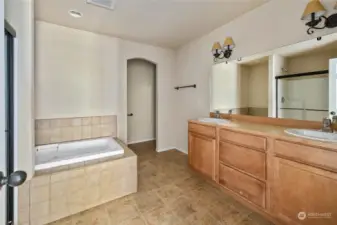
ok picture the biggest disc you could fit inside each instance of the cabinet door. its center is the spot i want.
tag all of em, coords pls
(201, 153)
(300, 188)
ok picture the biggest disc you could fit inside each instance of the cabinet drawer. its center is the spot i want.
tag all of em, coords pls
(323, 158)
(246, 186)
(247, 140)
(248, 160)
(202, 129)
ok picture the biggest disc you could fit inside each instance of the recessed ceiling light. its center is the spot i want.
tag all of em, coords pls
(75, 13)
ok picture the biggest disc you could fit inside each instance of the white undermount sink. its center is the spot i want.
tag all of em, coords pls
(214, 120)
(313, 135)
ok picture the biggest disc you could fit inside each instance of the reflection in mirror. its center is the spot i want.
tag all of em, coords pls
(303, 93)
(294, 82)
(254, 79)
(304, 98)
(225, 89)
(242, 88)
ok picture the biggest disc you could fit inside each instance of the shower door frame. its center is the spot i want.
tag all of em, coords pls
(280, 77)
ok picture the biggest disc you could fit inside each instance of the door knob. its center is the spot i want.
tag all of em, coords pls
(130, 114)
(15, 179)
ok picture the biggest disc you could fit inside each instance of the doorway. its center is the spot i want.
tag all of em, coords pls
(141, 105)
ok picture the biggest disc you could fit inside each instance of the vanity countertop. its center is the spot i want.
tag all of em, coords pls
(277, 132)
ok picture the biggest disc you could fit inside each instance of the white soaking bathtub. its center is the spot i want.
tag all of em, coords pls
(55, 155)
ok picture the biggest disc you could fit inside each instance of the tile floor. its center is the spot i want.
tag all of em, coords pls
(169, 193)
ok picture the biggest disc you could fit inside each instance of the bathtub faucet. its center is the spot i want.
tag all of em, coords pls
(217, 114)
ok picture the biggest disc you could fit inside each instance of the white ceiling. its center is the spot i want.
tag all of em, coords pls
(167, 23)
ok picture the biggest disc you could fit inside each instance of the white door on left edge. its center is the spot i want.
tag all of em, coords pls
(8, 178)
(3, 191)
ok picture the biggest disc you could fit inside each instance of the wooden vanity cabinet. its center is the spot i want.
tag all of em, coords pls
(243, 139)
(242, 165)
(202, 148)
(246, 186)
(276, 176)
(300, 186)
(244, 159)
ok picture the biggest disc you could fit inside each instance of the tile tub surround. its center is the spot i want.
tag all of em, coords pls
(53, 196)
(49, 131)
(169, 194)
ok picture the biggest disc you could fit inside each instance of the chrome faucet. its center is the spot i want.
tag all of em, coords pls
(217, 114)
(334, 120)
(327, 125)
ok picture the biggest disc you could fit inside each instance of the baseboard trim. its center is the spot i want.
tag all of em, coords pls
(172, 148)
(136, 142)
(182, 150)
(165, 149)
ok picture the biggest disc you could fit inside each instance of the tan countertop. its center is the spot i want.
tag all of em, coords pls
(276, 132)
(250, 127)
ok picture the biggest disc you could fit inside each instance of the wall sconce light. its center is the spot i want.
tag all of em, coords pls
(223, 52)
(315, 13)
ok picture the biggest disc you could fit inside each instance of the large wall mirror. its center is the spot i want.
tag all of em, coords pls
(295, 82)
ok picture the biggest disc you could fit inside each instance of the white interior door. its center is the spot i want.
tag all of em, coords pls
(2, 121)
(332, 85)
(141, 101)
(8, 178)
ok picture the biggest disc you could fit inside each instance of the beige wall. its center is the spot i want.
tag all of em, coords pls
(225, 83)
(244, 74)
(258, 86)
(254, 88)
(270, 26)
(77, 73)
(311, 61)
(166, 109)
(81, 74)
